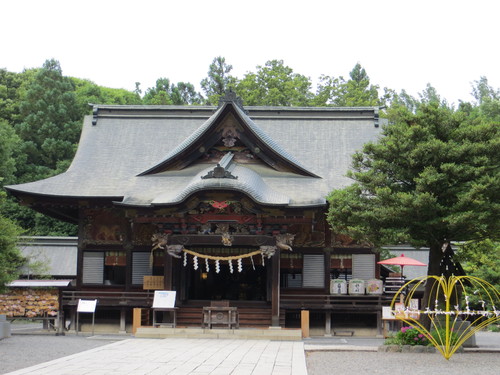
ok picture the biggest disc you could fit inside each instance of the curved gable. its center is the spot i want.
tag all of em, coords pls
(229, 126)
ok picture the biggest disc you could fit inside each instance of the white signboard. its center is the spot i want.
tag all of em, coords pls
(86, 306)
(164, 299)
(387, 313)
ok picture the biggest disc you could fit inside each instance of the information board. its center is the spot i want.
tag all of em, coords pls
(86, 306)
(164, 299)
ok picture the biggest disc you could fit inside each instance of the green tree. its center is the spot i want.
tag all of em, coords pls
(50, 125)
(355, 92)
(488, 100)
(326, 90)
(9, 143)
(10, 257)
(219, 80)
(87, 92)
(165, 93)
(275, 84)
(10, 84)
(434, 177)
(481, 259)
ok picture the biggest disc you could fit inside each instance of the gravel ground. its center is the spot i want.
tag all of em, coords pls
(324, 363)
(20, 351)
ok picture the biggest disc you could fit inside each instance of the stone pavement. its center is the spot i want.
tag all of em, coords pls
(181, 356)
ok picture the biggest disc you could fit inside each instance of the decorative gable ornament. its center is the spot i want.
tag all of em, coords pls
(231, 97)
(221, 169)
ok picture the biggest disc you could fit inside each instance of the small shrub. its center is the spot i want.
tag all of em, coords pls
(494, 328)
(407, 336)
(440, 336)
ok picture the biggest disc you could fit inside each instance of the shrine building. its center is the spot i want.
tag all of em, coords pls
(222, 203)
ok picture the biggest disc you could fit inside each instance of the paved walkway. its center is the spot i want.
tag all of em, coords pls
(181, 356)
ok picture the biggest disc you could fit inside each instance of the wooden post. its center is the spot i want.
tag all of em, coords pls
(328, 323)
(128, 246)
(275, 290)
(123, 314)
(136, 320)
(304, 323)
(167, 271)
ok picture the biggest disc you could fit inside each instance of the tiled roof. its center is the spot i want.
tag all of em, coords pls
(120, 143)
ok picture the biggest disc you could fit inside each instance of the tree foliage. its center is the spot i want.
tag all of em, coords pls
(165, 93)
(275, 84)
(357, 91)
(50, 125)
(10, 257)
(481, 259)
(433, 177)
(219, 80)
(87, 92)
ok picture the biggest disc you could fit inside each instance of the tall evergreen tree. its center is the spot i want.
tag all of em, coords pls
(219, 80)
(50, 125)
(434, 177)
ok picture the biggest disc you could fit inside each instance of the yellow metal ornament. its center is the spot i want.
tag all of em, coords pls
(457, 307)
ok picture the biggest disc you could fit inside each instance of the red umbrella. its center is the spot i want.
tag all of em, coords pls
(402, 261)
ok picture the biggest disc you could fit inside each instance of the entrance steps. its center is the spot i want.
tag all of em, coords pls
(277, 334)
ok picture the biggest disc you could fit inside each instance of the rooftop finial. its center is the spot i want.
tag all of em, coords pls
(230, 96)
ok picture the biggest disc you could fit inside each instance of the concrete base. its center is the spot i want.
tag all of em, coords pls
(4, 327)
(283, 334)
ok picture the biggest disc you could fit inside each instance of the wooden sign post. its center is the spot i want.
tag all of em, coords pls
(86, 306)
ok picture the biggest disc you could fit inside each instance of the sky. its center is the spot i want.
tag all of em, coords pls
(402, 44)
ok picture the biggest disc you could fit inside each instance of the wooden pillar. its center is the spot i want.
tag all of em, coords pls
(128, 247)
(81, 246)
(379, 319)
(275, 289)
(328, 323)
(136, 319)
(167, 271)
(304, 323)
(328, 252)
(123, 314)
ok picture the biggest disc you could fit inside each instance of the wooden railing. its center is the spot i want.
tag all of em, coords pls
(361, 303)
(132, 299)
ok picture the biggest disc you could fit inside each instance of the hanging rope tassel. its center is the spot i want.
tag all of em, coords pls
(253, 264)
(240, 265)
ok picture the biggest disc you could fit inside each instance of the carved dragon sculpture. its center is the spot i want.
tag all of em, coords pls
(283, 241)
(160, 241)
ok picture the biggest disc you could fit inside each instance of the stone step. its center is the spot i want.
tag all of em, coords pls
(280, 334)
